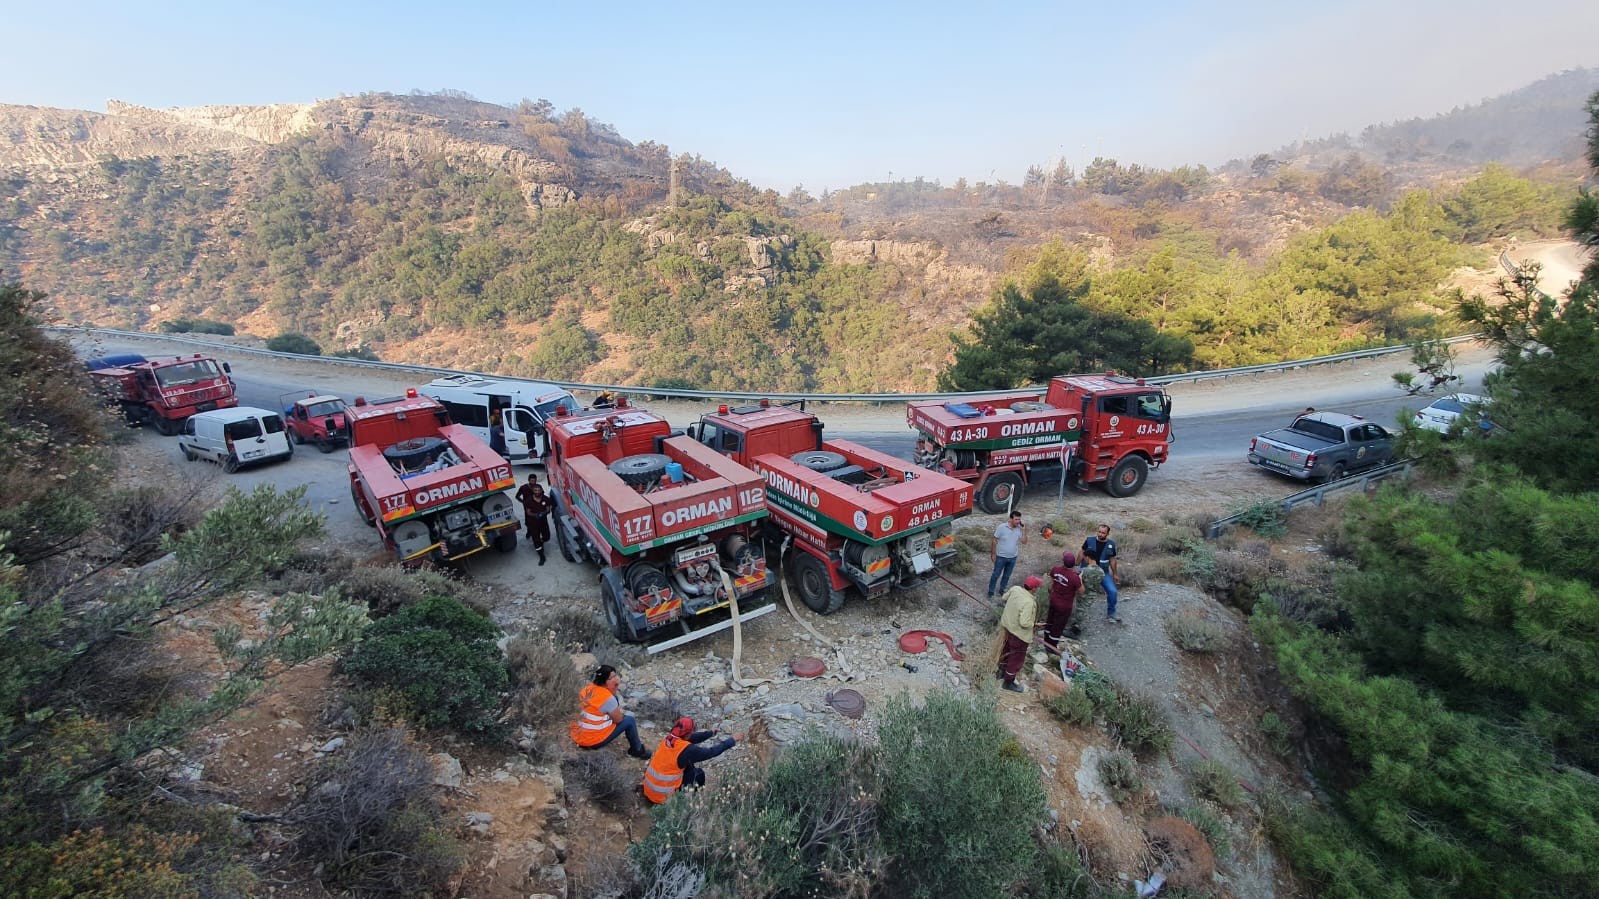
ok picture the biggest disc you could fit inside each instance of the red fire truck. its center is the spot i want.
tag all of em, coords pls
(163, 392)
(674, 527)
(431, 488)
(858, 518)
(1105, 429)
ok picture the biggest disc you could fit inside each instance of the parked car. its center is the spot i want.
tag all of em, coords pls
(242, 435)
(1325, 445)
(1441, 414)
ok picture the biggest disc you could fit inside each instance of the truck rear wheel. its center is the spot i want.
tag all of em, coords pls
(999, 493)
(360, 508)
(1128, 477)
(815, 587)
(819, 460)
(640, 470)
(620, 622)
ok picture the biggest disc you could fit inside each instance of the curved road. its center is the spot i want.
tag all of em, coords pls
(1562, 262)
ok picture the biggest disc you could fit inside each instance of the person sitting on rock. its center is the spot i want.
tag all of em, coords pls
(674, 763)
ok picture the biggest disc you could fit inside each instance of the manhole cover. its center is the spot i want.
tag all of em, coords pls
(806, 666)
(847, 702)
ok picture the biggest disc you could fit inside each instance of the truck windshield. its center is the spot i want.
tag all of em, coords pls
(1319, 429)
(186, 373)
(546, 410)
(329, 407)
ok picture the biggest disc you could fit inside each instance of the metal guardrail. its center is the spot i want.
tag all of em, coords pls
(1515, 272)
(1319, 493)
(672, 393)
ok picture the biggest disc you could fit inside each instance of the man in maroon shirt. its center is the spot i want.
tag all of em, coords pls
(1064, 582)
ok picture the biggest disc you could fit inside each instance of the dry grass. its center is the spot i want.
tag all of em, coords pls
(1194, 631)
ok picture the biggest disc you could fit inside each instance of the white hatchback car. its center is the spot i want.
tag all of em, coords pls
(1440, 414)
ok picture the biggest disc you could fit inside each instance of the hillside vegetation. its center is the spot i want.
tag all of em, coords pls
(440, 229)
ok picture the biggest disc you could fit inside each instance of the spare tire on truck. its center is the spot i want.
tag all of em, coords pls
(414, 453)
(640, 470)
(819, 460)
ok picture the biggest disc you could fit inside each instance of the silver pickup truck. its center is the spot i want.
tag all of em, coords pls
(1325, 445)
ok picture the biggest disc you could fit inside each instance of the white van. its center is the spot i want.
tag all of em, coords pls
(521, 407)
(243, 435)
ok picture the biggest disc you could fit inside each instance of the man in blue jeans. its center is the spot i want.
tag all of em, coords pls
(1009, 538)
(1101, 550)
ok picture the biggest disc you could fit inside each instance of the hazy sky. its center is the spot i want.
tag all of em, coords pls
(830, 94)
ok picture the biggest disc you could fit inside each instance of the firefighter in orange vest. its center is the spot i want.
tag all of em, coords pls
(602, 719)
(673, 763)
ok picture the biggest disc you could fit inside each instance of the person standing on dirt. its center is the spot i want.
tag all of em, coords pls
(497, 434)
(1018, 621)
(673, 764)
(1006, 545)
(535, 513)
(1064, 582)
(601, 719)
(1101, 550)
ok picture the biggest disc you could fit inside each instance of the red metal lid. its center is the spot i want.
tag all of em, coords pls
(806, 666)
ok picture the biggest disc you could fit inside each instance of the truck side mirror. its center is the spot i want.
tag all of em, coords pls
(226, 368)
(693, 431)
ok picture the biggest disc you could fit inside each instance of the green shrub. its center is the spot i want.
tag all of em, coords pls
(1099, 689)
(1118, 771)
(804, 825)
(1277, 733)
(1073, 706)
(954, 828)
(130, 864)
(1210, 779)
(1199, 561)
(1193, 631)
(1139, 722)
(369, 820)
(1210, 821)
(1265, 517)
(1060, 874)
(440, 659)
(195, 326)
(293, 343)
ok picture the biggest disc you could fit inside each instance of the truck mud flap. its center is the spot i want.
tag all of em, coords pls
(708, 630)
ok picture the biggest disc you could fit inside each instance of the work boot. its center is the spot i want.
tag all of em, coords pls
(1013, 687)
(541, 555)
(638, 752)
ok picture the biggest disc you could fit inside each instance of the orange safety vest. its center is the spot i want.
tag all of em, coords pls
(593, 726)
(664, 775)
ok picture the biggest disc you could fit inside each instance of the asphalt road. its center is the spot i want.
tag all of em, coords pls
(1212, 424)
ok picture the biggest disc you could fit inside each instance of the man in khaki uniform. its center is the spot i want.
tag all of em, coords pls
(1018, 621)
